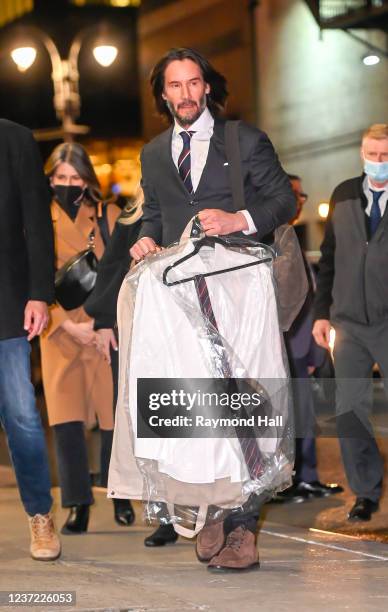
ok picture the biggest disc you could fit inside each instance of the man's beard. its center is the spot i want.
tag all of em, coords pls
(188, 119)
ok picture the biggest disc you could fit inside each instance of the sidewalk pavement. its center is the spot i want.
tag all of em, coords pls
(110, 569)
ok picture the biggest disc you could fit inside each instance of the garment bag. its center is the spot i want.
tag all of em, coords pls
(203, 309)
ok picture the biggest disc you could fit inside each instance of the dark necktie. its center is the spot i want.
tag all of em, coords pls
(248, 446)
(375, 213)
(184, 161)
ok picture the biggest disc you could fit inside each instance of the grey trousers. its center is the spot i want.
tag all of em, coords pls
(357, 348)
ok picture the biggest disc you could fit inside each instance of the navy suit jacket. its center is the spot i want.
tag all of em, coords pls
(168, 206)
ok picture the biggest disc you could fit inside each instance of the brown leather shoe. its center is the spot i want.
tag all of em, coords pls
(210, 540)
(45, 544)
(239, 552)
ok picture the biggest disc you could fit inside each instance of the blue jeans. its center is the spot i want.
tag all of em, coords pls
(22, 424)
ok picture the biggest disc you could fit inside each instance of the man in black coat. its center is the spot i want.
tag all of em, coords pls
(185, 172)
(27, 286)
(352, 295)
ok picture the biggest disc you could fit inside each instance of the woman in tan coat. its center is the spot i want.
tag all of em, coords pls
(77, 378)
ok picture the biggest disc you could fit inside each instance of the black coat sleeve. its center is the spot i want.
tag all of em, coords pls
(152, 218)
(323, 297)
(274, 203)
(101, 305)
(35, 201)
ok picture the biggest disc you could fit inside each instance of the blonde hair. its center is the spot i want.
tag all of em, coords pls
(134, 208)
(378, 131)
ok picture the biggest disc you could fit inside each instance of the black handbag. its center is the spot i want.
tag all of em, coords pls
(75, 280)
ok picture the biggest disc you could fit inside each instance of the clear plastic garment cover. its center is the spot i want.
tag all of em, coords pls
(165, 332)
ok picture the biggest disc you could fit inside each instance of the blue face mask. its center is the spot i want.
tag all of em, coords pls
(378, 171)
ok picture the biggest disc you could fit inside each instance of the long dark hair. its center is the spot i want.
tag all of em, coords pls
(74, 154)
(218, 91)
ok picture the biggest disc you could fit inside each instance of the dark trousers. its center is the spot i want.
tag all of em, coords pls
(357, 348)
(305, 460)
(305, 446)
(247, 518)
(114, 364)
(73, 465)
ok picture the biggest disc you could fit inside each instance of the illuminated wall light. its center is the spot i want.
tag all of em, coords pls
(121, 3)
(114, 3)
(323, 210)
(124, 3)
(105, 55)
(371, 59)
(23, 57)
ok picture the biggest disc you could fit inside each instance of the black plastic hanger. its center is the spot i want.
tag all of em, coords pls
(211, 241)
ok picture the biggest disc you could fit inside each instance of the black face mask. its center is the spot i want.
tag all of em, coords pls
(68, 196)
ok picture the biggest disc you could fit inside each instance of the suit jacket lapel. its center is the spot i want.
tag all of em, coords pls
(167, 160)
(216, 150)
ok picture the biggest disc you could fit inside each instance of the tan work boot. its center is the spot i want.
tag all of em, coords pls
(239, 552)
(45, 544)
(210, 540)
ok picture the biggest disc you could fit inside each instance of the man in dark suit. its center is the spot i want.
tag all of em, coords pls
(27, 286)
(185, 173)
(304, 356)
(352, 296)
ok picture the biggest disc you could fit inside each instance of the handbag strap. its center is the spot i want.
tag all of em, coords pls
(232, 149)
(103, 224)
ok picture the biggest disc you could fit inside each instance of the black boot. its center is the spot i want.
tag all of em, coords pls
(77, 521)
(123, 512)
(165, 534)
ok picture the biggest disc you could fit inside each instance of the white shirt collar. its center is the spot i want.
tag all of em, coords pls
(203, 126)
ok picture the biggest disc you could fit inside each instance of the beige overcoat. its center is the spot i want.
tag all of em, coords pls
(77, 380)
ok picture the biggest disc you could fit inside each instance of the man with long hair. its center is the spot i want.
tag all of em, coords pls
(185, 173)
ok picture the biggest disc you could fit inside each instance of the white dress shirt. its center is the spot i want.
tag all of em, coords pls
(203, 131)
(368, 188)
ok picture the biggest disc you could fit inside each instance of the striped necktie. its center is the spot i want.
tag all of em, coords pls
(184, 161)
(248, 446)
(375, 213)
